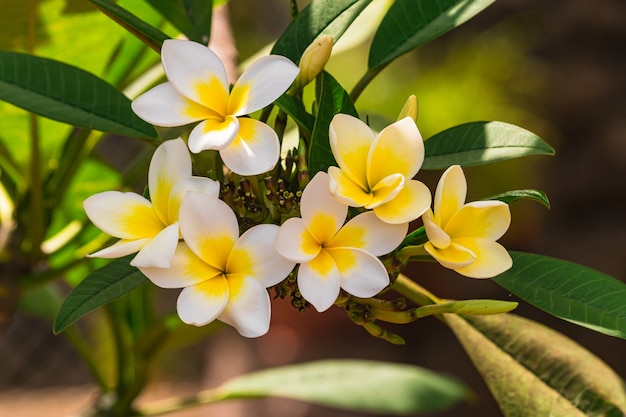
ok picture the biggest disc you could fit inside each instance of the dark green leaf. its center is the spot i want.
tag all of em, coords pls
(364, 386)
(295, 109)
(67, 94)
(514, 195)
(572, 292)
(480, 143)
(322, 17)
(411, 23)
(148, 34)
(99, 288)
(534, 371)
(416, 237)
(191, 17)
(333, 100)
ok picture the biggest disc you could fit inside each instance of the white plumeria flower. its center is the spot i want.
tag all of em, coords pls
(331, 256)
(463, 236)
(223, 276)
(375, 171)
(197, 90)
(150, 227)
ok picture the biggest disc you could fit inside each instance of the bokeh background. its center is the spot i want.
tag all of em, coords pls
(557, 68)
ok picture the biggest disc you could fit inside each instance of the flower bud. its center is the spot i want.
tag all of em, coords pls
(313, 61)
(410, 109)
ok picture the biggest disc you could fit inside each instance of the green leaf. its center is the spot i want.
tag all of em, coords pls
(191, 17)
(479, 143)
(534, 371)
(364, 386)
(514, 195)
(322, 17)
(99, 288)
(67, 94)
(295, 109)
(411, 23)
(333, 100)
(569, 291)
(148, 34)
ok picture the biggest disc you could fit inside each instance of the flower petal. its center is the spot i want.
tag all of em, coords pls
(185, 270)
(452, 257)
(123, 215)
(345, 190)
(398, 149)
(350, 141)
(368, 232)
(318, 281)
(261, 83)
(170, 164)
(159, 250)
(163, 105)
(120, 248)
(450, 195)
(248, 308)
(209, 227)
(491, 258)
(483, 219)
(197, 73)
(200, 184)
(410, 203)
(361, 274)
(386, 189)
(254, 256)
(322, 214)
(204, 302)
(254, 151)
(436, 235)
(213, 134)
(294, 242)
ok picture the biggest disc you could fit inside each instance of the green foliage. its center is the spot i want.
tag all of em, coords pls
(572, 292)
(295, 109)
(512, 196)
(191, 17)
(526, 363)
(481, 143)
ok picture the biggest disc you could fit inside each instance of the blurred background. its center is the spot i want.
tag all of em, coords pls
(556, 68)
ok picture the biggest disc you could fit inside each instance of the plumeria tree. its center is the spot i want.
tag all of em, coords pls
(275, 185)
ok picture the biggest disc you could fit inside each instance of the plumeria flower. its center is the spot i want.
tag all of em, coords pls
(375, 171)
(197, 90)
(150, 227)
(331, 256)
(463, 236)
(223, 276)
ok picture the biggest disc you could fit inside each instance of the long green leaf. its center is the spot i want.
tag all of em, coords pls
(364, 386)
(67, 94)
(191, 17)
(572, 292)
(534, 371)
(321, 17)
(99, 288)
(528, 194)
(479, 143)
(411, 23)
(333, 99)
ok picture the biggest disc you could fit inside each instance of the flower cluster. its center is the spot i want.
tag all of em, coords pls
(336, 230)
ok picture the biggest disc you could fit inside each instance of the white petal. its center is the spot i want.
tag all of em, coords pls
(200, 184)
(255, 257)
(196, 72)
(491, 258)
(323, 215)
(318, 281)
(120, 248)
(350, 141)
(203, 303)
(409, 204)
(481, 219)
(163, 106)
(159, 250)
(254, 151)
(345, 190)
(450, 195)
(170, 164)
(213, 134)
(185, 270)
(248, 308)
(295, 243)
(361, 274)
(209, 227)
(123, 215)
(366, 231)
(261, 83)
(436, 235)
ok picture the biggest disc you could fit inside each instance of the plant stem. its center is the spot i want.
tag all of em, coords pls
(403, 285)
(364, 82)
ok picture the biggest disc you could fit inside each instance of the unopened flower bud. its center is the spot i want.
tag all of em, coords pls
(313, 61)
(410, 109)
